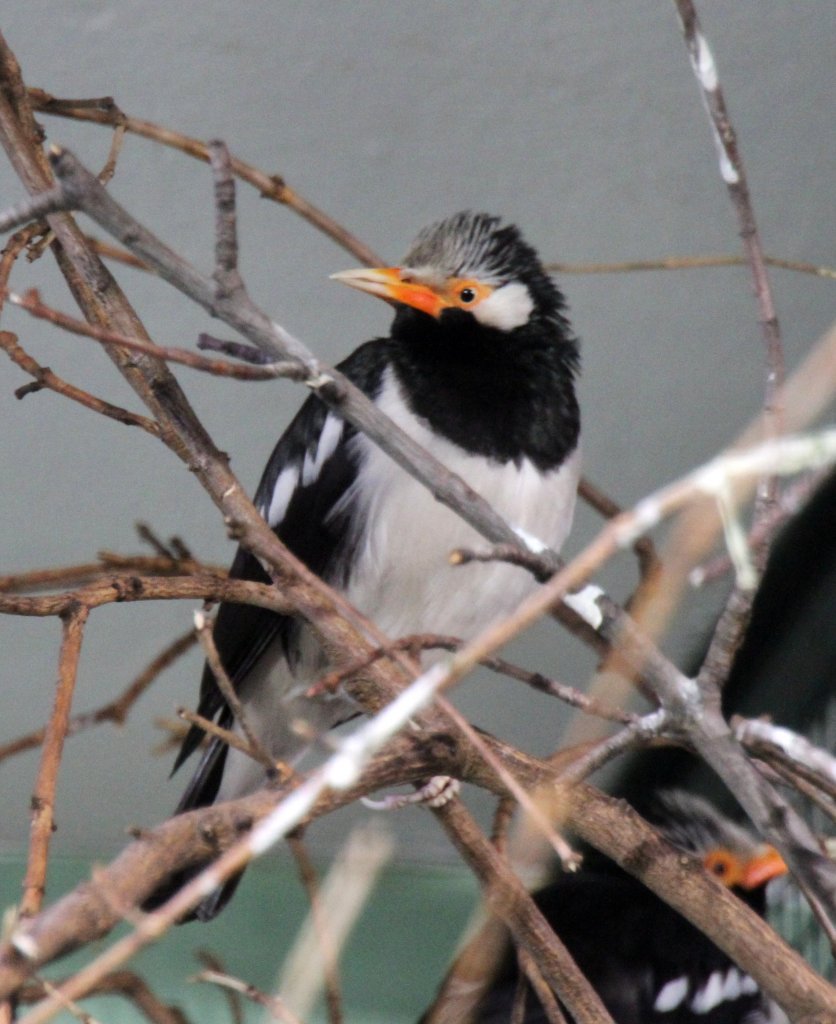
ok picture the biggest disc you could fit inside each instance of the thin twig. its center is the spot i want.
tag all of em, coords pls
(128, 984)
(435, 641)
(326, 954)
(204, 627)
(233, 998)
(506, 896)
(269, 186)
(109, 562)
(789, 502)
(732, 173)
(109, 169)
(45, 378)
(71, 1007)
(11, 251)
(115, 711)
(687, 263)
(115, 252)
(230, 738)
(43, 797)
(777, 741)
(788, 775)
(643, 547)
(275, 1006)
(529, 968)
(31, 302)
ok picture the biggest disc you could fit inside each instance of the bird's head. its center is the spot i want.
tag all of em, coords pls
(731, 853)
(469, 268)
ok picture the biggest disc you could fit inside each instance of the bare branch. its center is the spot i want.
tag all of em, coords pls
(115, 711)
(123, 983)
(109, 562)
(133, 587)
(688, 263)
(272, 187)
(731, 170)
(45, 378)
(275, 1006)
(43, 797)
(506, 897)
(764, 738)
(204, 627)
(31, 302)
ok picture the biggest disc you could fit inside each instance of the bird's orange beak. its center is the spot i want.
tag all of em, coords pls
(763, 867)
(388, 283)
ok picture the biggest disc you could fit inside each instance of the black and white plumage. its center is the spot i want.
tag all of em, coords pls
(648, 964)
(479, 368)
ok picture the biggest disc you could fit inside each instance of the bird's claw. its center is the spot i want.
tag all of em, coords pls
(437, 792)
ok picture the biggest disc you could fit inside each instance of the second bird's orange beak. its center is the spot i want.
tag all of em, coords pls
(388, 283)
(760, 869)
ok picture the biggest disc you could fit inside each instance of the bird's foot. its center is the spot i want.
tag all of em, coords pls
(437, 792)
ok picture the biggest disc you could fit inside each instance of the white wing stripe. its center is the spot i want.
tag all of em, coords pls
(332, 431)
(282, 492)
(671, 995)
(710, 995)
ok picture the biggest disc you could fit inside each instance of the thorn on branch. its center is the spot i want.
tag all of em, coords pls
(236, 349)
(32, 388)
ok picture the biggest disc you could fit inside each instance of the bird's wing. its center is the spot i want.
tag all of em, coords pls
(310, 470)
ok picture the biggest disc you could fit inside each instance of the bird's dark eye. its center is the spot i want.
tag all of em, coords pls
(722, 864)
(467, 295)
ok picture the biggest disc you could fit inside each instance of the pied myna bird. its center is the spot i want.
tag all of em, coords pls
(646, 962)
(479, 368)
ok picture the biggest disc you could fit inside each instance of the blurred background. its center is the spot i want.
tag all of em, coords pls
(582, 123)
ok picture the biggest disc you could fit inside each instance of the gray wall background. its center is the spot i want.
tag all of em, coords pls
(579, 121)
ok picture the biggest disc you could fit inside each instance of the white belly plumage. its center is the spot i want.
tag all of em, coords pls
(402, 578)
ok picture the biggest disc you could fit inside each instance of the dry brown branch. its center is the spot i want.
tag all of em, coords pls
(204, 626)
(544, 994)
(131, 986)
(779, 744)
(127, 587)
(733, 174)
(31, 302)
(194, 837)
(109, 562)
(233, 999)
(433, 641)
(115, 711)
(277, 1009)
(45, 378)
(507, 898)
(643, 546)
(43, 797)
(269, 186)
(687, 263)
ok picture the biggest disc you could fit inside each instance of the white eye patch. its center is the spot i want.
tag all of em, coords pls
(506, 308)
